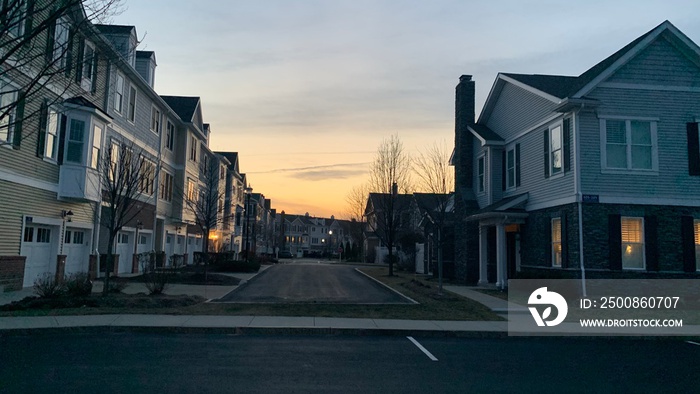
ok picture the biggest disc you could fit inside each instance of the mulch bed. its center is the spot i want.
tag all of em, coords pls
(126, 301)
(192, 278)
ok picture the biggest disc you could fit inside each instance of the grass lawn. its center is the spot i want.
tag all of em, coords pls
(431, 305)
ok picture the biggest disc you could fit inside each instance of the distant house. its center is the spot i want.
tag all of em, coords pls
(596, 174)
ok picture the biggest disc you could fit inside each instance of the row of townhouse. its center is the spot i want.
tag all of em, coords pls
(305, 235)
(596, 175)
(95, 104)
(421, 228)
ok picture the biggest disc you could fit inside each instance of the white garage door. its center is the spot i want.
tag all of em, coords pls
(125, 250)
(39, 247)
(76, 247)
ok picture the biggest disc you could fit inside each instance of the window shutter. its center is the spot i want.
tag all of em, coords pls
(517, 165)
(651, 243)
(503, 171)
(62, 137)
(79, 64)
(564, 242)
(95, 66)
(69, 52)
(546, 153)
(50, 41)
(688, 243)
(29, 21)
(548, 243)
(567, 144)
(693, 149)
(41, 133)
(19, 120)
(615, 242)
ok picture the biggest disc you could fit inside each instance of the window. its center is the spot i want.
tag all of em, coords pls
(119, 93)
(556, 242)
(78, 237)
(29, 234)
(15, 17)
(60, 44)
(170, 136)
(142, 240)
(191, 191)
(166, 187)
(511, 167)
(89, 66)
(123, 238)
(67, 238)
(43, 235)
(51, 141)
(628, 144)
(132, 104)
(555, 150)
(96, 146)
(147, 177)
(481, 167)
(8, 109)
(76, 136)
(632, 243)
(222, 172)
(193, 148)
(155, 120)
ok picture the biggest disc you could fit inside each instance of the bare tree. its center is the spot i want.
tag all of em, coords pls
(205, 201)
(436, 179)
(390, 172)
(127, 181)
(357, 202)
(39, 55)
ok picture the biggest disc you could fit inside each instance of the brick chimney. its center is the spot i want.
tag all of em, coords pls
(464, 143)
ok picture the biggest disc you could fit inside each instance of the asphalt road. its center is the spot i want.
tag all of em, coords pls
(184, 363)
(307, 282)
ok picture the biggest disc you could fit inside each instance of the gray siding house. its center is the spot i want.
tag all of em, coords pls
(590, 176)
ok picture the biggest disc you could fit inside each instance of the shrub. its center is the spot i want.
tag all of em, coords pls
(156, 279)
(47, 286)
(78, 285)
(117, 285)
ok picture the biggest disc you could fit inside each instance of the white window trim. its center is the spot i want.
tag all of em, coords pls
(86, 83)
(118, 93)
(56, 135)
(643, 243)
(560, 124)
(59, 48)
(158, 126)
(654, 147)
(9, 88)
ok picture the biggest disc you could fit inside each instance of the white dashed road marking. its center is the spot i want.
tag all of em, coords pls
(424, 350)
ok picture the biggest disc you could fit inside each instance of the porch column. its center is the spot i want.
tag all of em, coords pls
(483, 255)
(501, 276)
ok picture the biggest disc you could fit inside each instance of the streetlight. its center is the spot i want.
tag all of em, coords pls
(330, 244)
(248, 191)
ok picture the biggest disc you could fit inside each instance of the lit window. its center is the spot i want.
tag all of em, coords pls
(629, 144)
(632, 243)
(556, 242)
(96, 146)
(696, 225)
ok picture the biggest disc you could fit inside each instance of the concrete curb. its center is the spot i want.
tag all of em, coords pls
(411, 300)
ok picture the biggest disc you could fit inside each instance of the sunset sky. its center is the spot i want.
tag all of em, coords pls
(306, 90)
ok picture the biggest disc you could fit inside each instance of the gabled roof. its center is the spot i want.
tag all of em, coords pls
(558, 88)
(185, 107)
(509, 205)
(379, 200)
(232, 157)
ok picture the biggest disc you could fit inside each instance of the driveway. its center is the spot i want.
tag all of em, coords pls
(311, 282)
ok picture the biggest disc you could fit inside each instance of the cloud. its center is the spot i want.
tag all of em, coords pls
(321, 173)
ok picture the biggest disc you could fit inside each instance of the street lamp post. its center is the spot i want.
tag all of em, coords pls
(330, 244)
(248, 191)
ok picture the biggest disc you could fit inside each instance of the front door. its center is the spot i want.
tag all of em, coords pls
(511, 253)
